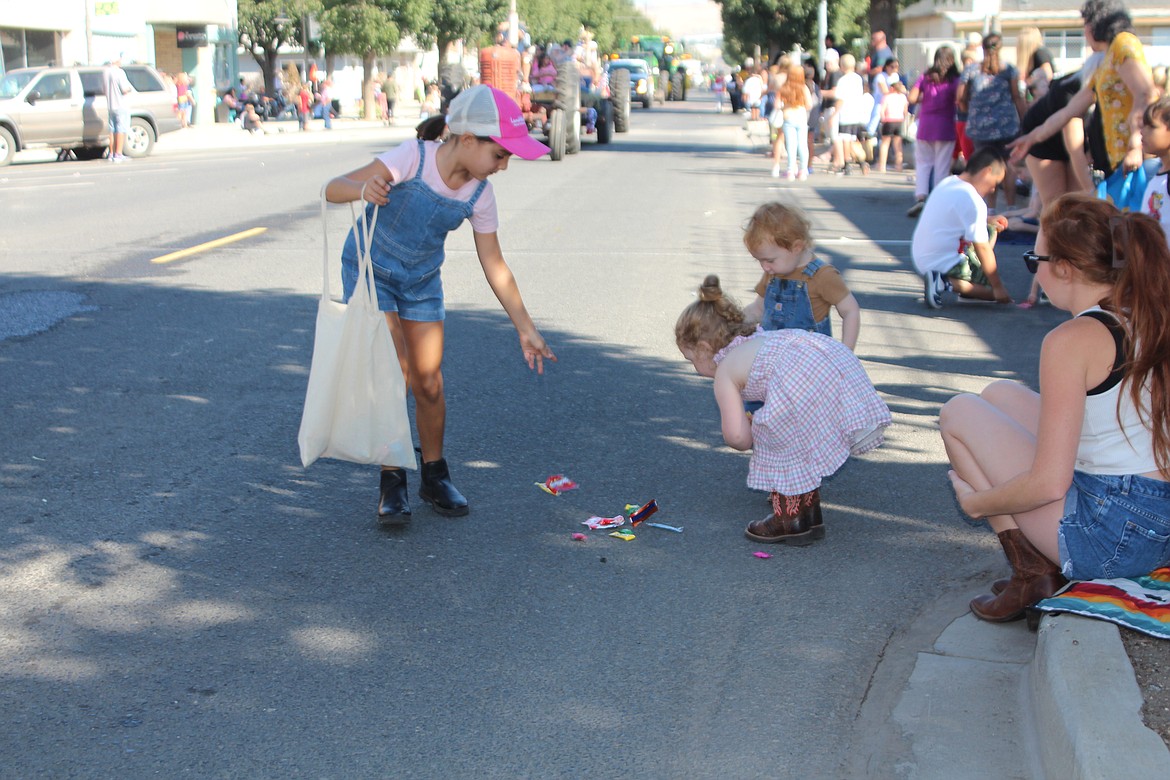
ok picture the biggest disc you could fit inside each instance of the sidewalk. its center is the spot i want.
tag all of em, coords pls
(223, 135)
(285, 132)
(958, 698)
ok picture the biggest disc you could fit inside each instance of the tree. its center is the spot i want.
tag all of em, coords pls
(366, 29)
(266, 25)
(467, 20)
(772, 25)
(776, 25)
(612, 22)
(883, 15)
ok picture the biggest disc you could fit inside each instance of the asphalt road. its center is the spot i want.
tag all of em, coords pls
(178, 597)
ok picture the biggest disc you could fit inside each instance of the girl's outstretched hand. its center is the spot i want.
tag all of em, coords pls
(963, 492)
(535, 351)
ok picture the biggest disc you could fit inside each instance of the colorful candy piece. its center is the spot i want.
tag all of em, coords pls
(677, 530)
(597, 523)
(624, 535)
(556, 484)
(579, 537)
(643, 513)
(762, 554)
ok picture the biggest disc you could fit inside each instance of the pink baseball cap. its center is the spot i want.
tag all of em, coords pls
(486, 112)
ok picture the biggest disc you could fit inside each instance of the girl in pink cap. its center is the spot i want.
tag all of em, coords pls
(424, 189)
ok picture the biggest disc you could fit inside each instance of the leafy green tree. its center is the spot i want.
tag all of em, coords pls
(612, 22)
(266, 25)
(775, 26)
(883, 15)
(367, 29)
(450, 21)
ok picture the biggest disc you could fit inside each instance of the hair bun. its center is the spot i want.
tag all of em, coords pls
(710, 290)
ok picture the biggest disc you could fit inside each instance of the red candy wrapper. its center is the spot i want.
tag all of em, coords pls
(557, 484)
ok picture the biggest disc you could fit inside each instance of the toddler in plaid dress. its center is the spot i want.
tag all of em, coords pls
(819, 407)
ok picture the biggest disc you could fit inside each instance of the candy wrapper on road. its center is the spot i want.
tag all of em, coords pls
(644, 512)
(625, 535)
(598, 523)
(557, 484)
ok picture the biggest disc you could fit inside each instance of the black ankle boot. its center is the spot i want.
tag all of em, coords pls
(393, 501)
(438, 491)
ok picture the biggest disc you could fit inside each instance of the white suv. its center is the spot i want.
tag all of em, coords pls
(66, 108)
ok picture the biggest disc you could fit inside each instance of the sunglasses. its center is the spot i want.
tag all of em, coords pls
(1033, 260)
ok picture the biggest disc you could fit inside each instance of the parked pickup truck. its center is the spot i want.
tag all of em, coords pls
(66, 108)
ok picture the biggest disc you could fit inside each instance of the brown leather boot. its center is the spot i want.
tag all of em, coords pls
(795, 520)
(1034, 577)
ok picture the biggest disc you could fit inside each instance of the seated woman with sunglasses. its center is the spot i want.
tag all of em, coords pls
(1073, 479)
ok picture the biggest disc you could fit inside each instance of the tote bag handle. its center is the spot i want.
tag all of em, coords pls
(363, 236)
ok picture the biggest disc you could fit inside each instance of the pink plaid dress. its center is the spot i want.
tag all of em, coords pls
(819, 408)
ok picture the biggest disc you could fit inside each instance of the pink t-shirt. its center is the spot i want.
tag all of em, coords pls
(402, 162)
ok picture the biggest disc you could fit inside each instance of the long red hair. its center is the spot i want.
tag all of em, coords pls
(791, 92)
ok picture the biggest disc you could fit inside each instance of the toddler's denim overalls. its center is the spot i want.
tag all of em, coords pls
(786, 304)
(407, 249)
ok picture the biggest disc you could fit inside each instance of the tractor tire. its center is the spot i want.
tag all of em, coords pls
(569, 100)
(7, 147)
(605, 114)
(556, 134)
(573, 131)
(678, 87)
(568, 86)
(619, 88)
(139, 138)
(664, 82)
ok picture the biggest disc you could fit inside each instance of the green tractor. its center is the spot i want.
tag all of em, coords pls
(672, 75)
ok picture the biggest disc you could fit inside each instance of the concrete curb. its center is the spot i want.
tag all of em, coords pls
(1087, 706)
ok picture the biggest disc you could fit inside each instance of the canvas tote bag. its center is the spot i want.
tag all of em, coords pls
(355, 405)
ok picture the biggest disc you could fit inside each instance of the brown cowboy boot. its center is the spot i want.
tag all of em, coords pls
(1034, 577)
(795, 520)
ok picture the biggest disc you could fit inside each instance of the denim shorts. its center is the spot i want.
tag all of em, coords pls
(414, 300)
(1114, 526)
(120, 121)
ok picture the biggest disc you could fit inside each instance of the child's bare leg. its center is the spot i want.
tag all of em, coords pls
(882, 154)
(968, 290)
(424, 356)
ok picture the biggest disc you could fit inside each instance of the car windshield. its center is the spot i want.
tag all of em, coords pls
(13, 83)
(631, 67)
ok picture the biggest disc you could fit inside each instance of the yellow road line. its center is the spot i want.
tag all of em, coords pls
(209, 245)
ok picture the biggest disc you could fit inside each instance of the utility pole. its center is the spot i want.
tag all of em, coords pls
(513, 25)
(88, 31)
(305, 48)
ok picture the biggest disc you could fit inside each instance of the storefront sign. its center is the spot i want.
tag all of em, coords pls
(191, 37)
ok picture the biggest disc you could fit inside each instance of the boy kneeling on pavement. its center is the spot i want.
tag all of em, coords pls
(953, 244)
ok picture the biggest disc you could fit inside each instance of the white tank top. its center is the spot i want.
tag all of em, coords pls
(1107, 446)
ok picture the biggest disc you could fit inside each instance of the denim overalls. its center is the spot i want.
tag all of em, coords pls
(407, 247)
(786, 304)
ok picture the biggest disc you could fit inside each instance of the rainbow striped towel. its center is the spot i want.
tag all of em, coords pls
(1140, 603)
